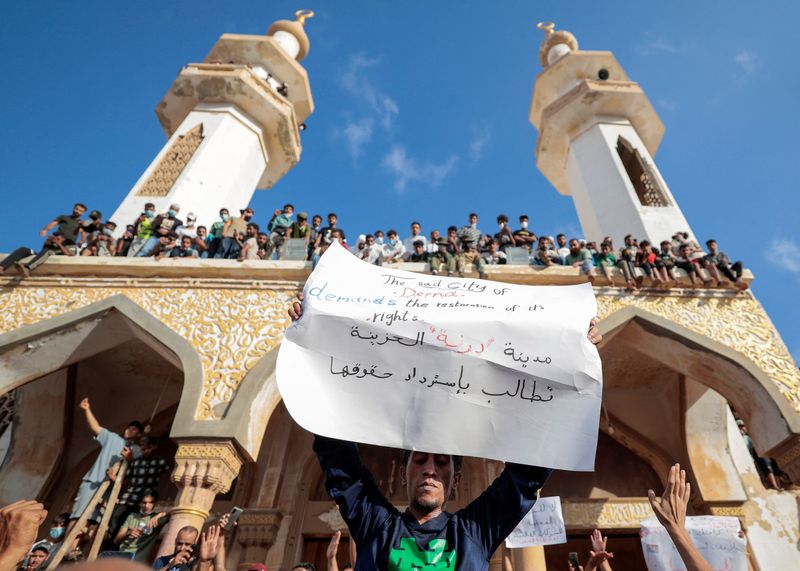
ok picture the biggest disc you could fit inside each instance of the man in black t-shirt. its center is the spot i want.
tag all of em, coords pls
(62, 241)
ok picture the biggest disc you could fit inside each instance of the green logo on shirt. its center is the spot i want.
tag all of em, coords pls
(409, 557)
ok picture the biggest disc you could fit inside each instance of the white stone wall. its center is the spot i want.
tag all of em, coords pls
(772, 522)
(223, 172)
(605, 199)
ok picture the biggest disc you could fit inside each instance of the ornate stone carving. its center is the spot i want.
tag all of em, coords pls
(333, 519)
(606, 514)
(172, 163)
(203, 470)
(230, 328)
(738, 322)
(258, 527)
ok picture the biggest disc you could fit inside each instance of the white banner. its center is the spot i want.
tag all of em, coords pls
(455, 366)
(718, 538)
(543, 525)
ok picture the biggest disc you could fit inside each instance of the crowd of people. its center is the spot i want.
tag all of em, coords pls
(460, 249)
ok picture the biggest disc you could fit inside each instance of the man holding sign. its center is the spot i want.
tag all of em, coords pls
(350, 310)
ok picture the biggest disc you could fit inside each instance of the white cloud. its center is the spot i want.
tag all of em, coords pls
(747, 60)
(407, 169)
(477, 145)
(357, 134)
(784, 255)
(355, 81)
(657, 45)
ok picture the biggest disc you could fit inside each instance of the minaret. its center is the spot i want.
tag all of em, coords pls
(233, 124)
(598, 134)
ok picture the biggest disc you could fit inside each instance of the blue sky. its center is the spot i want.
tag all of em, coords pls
(421, 112)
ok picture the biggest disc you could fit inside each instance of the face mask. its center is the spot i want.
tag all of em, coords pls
(524, 224)
(225, 217)
(150, 213)
(56, 533)
(379, 239)
(108, 231)
(392, 241)
(501, 226)
(171, 213)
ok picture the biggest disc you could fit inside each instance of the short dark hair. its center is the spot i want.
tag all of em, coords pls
(203, 227)
(525, 216)
(458, 461)
(263, 234)
(285, 206)
(452, 229)
(317, 216)
(392, 231)
(368, 236)
(417, 223)
(146, 204)
(305, 565)
(221, 210)
(560, 236)
(502, 218)
(253, 225)
(471, 214)
(136, 424)
(710, 240)
(147, 440)
(149, 492)
(329, 215)
(419, 243)
(81, 204)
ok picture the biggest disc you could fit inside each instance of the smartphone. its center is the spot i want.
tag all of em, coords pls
(573, 560)
(233, 516)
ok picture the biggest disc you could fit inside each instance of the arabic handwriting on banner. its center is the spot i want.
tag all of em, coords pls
(719, 540)
(543, 525)
(401, 357)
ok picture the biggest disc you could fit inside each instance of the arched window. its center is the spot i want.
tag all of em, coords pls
(641, 175)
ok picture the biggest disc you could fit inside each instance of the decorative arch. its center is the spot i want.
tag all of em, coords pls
(774, 424)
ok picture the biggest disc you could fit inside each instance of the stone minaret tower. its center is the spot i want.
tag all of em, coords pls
(233, 124)
(598, 134)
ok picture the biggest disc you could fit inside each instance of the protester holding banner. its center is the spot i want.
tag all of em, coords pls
(388, 539)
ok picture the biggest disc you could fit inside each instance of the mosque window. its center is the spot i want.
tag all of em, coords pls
(641, 174)
(172, 163)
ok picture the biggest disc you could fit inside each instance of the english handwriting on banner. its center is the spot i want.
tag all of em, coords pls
(319, 293)
(522, 384)
(522, 358)
(375, 338)
(443, 338)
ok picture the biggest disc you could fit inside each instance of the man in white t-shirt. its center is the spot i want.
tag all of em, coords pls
(416, 236)
(249, 249)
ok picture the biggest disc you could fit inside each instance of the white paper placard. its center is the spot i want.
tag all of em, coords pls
(716, 537)
(543, 525)
(437, 364)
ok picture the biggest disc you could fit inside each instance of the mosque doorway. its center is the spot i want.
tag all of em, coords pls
(127, 372)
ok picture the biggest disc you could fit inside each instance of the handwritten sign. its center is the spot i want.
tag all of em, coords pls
(543, 525)
(719, 540)
(455, 366)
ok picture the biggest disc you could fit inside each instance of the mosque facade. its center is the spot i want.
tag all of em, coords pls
(194, 342)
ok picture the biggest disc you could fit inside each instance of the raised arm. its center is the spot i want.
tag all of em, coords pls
(94, 426)
(670, 509)
(47, 228)
(352, 487)
(497, 511)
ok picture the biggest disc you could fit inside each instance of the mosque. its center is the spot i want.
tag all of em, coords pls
(195, 341)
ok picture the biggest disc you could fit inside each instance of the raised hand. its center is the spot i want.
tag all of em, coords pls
(19, 526)
(209, 543)
(670, 508)
(84, 404)
(594, 333)
(296, 309)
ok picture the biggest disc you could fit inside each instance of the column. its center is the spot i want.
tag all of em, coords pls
(203, 469)
(528, 559)
(257, 531)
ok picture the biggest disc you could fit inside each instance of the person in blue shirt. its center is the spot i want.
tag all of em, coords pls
(425, 536)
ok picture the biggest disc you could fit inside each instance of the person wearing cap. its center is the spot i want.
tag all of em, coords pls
(164, 225)
(300, 228)
(445, 254)
(189, 229)
(280, 227)
(36, 558)
(113, 448)
(92, 227)
(102, 243)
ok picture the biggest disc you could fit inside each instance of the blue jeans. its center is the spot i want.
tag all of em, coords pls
(148, 247)
(229, 248)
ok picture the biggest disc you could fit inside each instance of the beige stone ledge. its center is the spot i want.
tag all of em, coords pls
(199, 272)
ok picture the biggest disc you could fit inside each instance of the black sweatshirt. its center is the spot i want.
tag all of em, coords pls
(390, 541)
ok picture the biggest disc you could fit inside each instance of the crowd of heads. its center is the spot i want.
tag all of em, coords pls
(454, 252)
